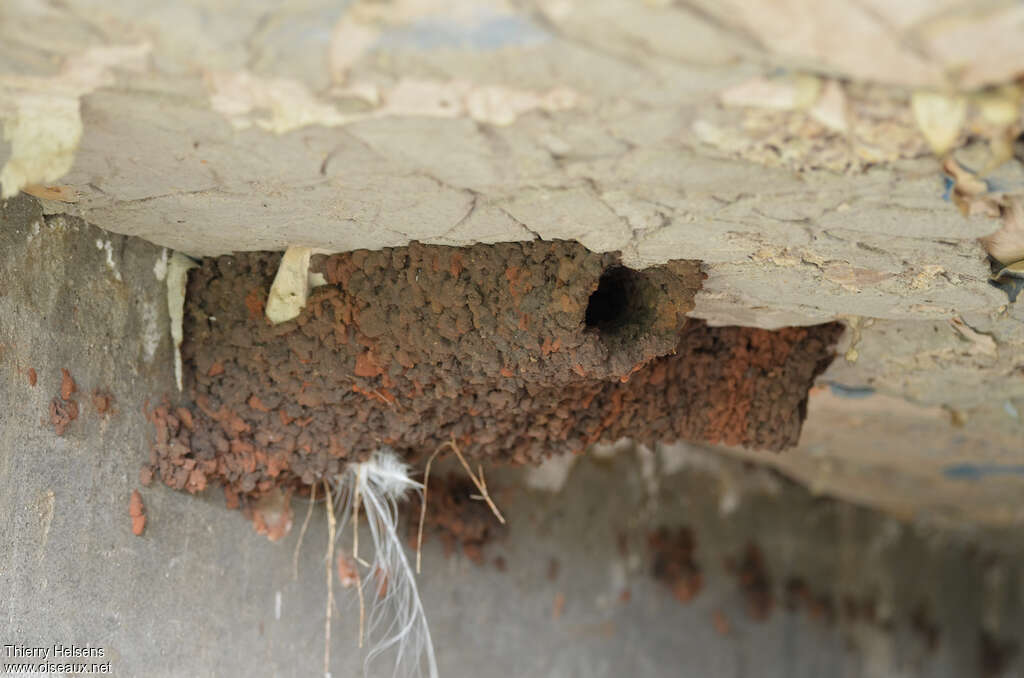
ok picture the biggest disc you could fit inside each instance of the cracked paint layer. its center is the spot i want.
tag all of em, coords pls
(41, 119)
(288, 292)
(177, 279)
(289, 105)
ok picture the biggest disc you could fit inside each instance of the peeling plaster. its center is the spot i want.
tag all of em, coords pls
(41, 115)
(291, 286)
(160, 267)
(44, 132)
(177, 281)
(289, 105)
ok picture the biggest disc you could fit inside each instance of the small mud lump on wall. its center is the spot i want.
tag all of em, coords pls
(517, 350)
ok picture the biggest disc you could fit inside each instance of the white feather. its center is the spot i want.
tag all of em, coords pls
(396, 621)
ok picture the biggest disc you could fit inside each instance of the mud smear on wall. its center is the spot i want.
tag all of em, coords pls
(457, 519)
(516, 350)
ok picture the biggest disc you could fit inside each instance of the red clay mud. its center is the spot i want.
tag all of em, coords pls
(102, 401)
(62, 413)
(67, 384)
(674, 562)
(137, 511)
(516, 350)
(799, 597)
(755, 582)
(64, 410)
(454, 516)
(271, 514)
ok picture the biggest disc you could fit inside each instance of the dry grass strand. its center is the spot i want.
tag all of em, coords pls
(480, 483)
(331, 528)
(302, 532)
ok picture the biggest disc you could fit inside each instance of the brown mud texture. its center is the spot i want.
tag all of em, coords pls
(455, 517)
(674, 562)
(754, 581)
(515, 350)
(64, 410)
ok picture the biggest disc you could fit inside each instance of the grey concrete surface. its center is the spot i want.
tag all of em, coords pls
(201, 594)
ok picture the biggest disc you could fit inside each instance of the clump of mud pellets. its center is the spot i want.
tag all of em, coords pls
(63, 409)
(137, 511)
(515, 351)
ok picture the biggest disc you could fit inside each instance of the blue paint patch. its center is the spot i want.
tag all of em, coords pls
(948, 183)
(992, 184)
(509, 30)
(980, 471)
(856, 392)
(1013, 286)
(490, 31)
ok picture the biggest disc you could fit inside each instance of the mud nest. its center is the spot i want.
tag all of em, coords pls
(515, 350)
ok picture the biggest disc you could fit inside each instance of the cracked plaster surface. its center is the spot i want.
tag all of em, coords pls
(337, 126)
